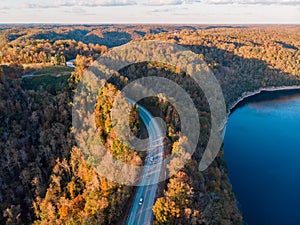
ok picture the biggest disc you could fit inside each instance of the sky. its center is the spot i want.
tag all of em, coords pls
(151, 11)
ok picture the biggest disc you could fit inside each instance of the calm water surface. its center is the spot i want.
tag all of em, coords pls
(262, 150)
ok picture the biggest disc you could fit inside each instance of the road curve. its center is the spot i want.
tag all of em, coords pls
(141, 212)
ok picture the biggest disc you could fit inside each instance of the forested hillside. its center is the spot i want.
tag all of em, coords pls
(44, 178)
(245, 59)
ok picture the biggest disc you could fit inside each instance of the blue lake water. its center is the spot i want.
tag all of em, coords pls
(262, 151)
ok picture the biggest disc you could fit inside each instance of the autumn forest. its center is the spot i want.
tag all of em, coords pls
(44, 177)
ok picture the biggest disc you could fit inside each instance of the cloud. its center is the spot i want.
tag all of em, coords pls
(35, 5)
(95, 3)
(110, 3)
(79, 11)
(161, 10)
(80, 3)
(4, 8)
(254, 2)
(168, 2)
(163, 2)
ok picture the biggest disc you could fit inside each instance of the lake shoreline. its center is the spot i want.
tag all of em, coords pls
(249, 94)
(246, 95)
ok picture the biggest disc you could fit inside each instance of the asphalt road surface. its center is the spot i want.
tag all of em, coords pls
(141, 211)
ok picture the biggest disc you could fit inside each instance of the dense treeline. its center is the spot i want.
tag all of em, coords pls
(46, 172)
(77, 194)
(34, 133)
(108, 35)
(47, 52)
(245, 59)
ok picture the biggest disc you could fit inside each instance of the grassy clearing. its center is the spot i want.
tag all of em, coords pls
(52, 79)
(55, 71)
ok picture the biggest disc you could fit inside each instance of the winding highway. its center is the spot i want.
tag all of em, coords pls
(141, 210)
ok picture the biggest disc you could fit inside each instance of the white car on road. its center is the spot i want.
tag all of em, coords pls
(141, 201)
